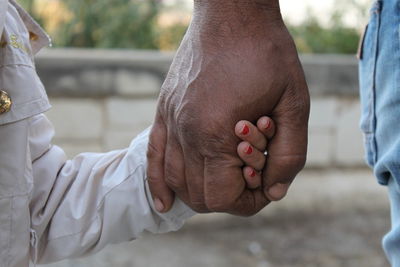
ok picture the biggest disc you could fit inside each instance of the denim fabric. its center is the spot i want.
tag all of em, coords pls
(391, 242)
(380, 101)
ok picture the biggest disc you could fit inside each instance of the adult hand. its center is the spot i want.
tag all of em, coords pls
(236, 62)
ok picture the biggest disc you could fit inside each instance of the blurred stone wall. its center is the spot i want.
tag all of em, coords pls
(102, 99)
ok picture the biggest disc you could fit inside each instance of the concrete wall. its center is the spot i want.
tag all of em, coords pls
(102, 99)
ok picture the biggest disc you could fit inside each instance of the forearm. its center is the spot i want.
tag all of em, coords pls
(246, 22)
(246, 4)
(246, 11)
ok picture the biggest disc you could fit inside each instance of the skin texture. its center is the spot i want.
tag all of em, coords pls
(257, 137)
(236, 62)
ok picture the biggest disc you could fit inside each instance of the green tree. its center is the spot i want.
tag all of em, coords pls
(28, 5)
(336, 37)
(133, 24)
(109, 24)
(311, 37)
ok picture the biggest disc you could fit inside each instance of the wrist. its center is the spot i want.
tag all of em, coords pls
(265, 9)
(248, 17)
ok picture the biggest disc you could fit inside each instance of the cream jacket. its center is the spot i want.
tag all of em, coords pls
(52, 208)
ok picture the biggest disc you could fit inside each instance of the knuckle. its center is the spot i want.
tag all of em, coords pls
(154, 185)
(189, 125)
(174, 182)
(151, 179)
(152, 150)
(172, 177)
(220, 140)
(259, 164)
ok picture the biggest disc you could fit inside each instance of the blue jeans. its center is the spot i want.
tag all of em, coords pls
(380, 101)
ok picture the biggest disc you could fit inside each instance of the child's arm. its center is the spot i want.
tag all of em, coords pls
(81, 205)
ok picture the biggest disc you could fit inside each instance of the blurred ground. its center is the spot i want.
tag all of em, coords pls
(330, 218)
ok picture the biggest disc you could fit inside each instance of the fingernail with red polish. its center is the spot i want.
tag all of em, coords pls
(245, 130)
(249, 150)
(253, 173)
(267, 124)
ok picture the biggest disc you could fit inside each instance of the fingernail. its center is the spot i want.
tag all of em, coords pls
(253, 173)
(249, 150)
(158, 205)
(245, 130)
(267, 125)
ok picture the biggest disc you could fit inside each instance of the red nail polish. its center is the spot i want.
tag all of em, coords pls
(253, 173)
(249, 150)
(245, 130)
(267, 125)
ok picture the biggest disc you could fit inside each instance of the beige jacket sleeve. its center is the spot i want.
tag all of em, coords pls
(79, 206)
(52, 208)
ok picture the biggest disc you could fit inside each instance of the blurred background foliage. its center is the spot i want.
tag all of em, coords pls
(335, 35)
(152, 24)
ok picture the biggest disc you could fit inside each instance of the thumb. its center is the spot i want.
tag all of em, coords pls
(287, 151)
(163, 197)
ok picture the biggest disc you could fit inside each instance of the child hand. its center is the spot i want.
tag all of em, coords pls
(253, 147)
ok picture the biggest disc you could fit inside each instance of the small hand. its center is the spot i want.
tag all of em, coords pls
(252, 149)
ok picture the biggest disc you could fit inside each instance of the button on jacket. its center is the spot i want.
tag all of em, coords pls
(52, 208)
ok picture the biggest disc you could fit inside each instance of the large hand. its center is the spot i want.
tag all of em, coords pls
(236, 62)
